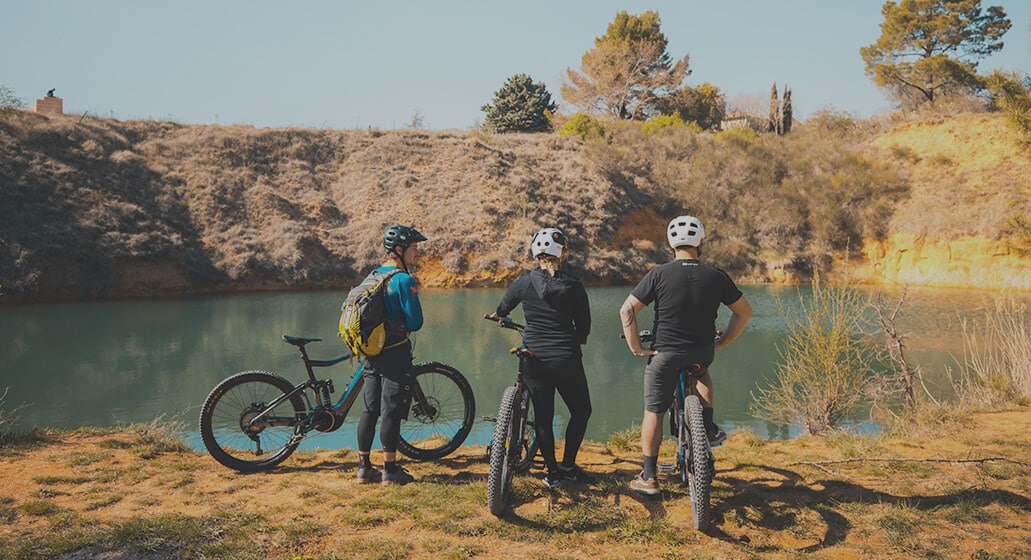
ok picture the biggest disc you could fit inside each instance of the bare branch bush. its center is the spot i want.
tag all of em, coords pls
(904, 381)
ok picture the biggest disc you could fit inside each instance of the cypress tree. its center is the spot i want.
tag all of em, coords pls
(774, 124)
(786, 112)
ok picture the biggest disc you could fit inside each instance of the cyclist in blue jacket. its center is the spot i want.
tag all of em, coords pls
(389, 376)
(558, 320)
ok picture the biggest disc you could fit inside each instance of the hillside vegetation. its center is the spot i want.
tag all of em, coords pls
(98, 208)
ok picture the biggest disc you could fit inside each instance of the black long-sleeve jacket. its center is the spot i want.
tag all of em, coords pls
(558, 315)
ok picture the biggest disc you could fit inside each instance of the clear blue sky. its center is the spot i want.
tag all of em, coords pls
(351, 64)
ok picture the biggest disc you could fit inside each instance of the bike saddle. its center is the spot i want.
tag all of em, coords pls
(694, 370)
(299, 340)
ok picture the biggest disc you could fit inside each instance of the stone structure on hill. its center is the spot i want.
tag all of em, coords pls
(50, 105)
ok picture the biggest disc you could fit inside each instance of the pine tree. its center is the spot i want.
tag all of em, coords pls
(930, 48)
(521, 105)
(628, 74)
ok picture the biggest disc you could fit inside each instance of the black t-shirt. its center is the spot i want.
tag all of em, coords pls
(687, 294)
(558, 315)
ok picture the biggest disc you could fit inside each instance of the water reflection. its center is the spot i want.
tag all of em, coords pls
(113, 363)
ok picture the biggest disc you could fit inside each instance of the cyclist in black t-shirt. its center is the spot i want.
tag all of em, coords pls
(558, 320)
(687, 295)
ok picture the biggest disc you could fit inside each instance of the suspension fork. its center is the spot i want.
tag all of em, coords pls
(421, 404)
(520, 408)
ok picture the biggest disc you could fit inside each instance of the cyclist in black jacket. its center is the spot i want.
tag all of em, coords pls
(558, 320)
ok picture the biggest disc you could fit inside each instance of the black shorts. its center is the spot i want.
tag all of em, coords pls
(389, 379)
(662, 373)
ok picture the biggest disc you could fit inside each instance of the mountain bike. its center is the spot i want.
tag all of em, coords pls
(254, 420)
(514, 443)
(695, 464)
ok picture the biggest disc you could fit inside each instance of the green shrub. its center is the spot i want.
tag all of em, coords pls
(584, 126)
(1013, 97)
(662, 122)
(826, 362)
(737, 134)
(833, 122)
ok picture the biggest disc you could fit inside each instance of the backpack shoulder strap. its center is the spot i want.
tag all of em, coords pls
(386, 276)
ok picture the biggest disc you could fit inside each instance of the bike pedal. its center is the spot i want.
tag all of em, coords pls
(666, 468)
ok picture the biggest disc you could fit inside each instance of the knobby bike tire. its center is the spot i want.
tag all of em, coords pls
(234, 401)
(529, 443)
(700, 464)
(499, 475)
(439, 425)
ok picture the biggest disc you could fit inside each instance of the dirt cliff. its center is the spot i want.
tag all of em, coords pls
(965, 223)
(97, 208)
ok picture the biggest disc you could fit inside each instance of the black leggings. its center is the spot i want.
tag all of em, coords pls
(566, 375)
(389, 432)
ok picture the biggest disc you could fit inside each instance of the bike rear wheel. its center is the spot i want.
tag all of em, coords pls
(504, 452)
(226, 428)
(699, 463)
(441, 415)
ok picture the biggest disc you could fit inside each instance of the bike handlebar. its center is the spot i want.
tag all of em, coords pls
(646, 336)
(507, 323)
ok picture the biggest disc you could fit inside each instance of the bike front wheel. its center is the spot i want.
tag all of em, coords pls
(229, 430)
(699, 463)
(441, 414)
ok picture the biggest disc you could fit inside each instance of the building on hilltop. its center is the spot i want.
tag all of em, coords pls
(737, 118)
(50, 105)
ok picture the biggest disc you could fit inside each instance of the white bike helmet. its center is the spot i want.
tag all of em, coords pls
(685, 230)
(548, 241)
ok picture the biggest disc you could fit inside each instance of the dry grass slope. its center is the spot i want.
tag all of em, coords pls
(88, 493)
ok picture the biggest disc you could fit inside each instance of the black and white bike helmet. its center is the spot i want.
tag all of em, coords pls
(685, 230)
(397, 238)
(548, 241)
(401, 236)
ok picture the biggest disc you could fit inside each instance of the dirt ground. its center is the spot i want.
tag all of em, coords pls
(967, 494)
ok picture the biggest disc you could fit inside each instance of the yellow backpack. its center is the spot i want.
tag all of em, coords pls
(362, 315)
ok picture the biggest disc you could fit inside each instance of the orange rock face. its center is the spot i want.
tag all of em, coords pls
(968, 262)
